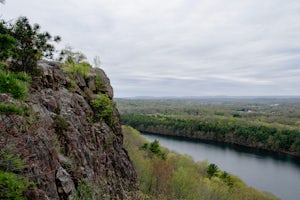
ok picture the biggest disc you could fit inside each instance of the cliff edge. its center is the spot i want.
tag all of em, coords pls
(69, 141)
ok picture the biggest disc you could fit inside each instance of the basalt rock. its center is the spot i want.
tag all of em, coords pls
(61, 143)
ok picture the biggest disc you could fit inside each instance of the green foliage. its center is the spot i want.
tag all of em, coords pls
(179, 177)
(68, 55)
(12, 186)
(227, 178)
(23, 76)
(145, 146)
(273, 112)
(84, 68)
(84, 191)
(90, 119)
(7, 43)
(255, 135)
(74, 62)
(183, 185)
(99, 83)
(61, 124)
(71, 86)
(10, 162)
(30, 44)
(109, 140)
(15, 84)
(212, 170)
(154, 148)
(13, 109)
(103, 108)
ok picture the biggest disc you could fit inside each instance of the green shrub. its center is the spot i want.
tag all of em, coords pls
(61, 124)
(10, 162)
(23, 76)
(71, 86)
(13, 109)
(84, 68)
(15, 84)
(103, 108)
(12, 186)
(154, 148)
(99, 83)
(212, 170)
(227, 178)
(84, 191)
(7, 43)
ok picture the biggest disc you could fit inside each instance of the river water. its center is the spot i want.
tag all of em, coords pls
(274, 173)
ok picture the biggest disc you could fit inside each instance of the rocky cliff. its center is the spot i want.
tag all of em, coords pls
(64, 146)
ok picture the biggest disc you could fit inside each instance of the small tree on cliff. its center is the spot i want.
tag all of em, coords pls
(30, 44)
(7, 43)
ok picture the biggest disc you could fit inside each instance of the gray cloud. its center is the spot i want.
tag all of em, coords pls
(180, 47)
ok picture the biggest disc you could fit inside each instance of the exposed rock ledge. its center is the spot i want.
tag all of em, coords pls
(58, 160)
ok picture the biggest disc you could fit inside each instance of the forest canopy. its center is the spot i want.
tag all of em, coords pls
(271, 124)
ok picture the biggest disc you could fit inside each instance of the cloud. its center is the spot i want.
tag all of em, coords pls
(180, 47)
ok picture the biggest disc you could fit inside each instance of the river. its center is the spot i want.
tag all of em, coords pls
(274, 173)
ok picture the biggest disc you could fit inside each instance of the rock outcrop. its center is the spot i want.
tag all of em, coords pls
(61, 143)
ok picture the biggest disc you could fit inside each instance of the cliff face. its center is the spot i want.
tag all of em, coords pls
(62, 144)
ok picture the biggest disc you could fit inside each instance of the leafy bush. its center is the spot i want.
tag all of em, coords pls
(10, 162)
(15, 84)
(103, 108)
(12, 186)
(212, 170)
(84, 191)
(13, 109)
(155, 149)
(75, 62)
(23, 76)
(83, 68)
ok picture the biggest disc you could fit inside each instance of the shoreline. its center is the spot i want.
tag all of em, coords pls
(233, 144)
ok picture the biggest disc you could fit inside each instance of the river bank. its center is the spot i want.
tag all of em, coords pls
(278, 174)
(217, 141)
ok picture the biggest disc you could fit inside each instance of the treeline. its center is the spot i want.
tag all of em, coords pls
(166, 175)
(226, 130)
(277, 112)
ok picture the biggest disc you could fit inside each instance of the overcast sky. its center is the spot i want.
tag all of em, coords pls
(180, 47)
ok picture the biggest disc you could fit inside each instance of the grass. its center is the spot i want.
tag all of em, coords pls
(83, 68)
(15, 84)
(13, 109)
